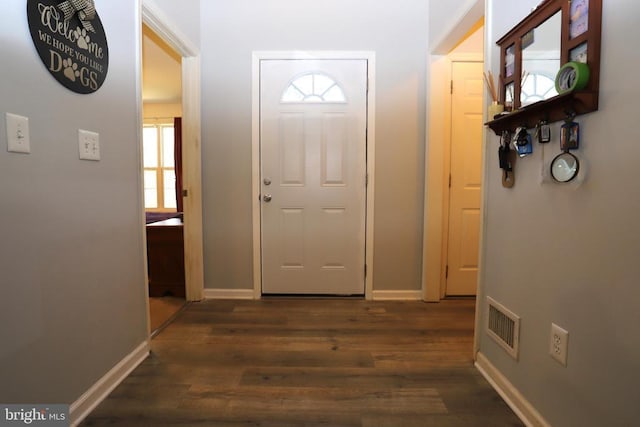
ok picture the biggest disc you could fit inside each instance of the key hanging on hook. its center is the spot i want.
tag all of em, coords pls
(570, 134)
(543, 132)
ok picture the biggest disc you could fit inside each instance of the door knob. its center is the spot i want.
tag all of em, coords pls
(266, 198)
(267, 181)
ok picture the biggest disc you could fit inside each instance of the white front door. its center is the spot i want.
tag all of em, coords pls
(466, 178)
(313, 176)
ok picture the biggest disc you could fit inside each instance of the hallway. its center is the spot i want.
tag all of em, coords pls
(310, 362)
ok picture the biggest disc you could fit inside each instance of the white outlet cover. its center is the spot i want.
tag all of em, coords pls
(559, 344)
(88, 145)
(18, 140)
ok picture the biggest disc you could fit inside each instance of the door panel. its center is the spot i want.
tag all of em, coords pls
(313, 167)
(292, 149)
(335, 145)
(466, 178)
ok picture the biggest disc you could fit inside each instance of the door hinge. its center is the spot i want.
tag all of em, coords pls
(449, 180)
(365, 271)
(446, 272)
(452, 87)
(185, 193)
(366, 180)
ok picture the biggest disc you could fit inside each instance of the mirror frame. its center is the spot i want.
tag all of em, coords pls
(558, 107)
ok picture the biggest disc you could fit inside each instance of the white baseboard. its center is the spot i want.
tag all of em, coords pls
(397, 295)
(250, 294)
(516, 401)
(105, 385)
(229, 294)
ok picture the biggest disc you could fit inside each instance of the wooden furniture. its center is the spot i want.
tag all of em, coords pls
(165, 255)
(580, 31)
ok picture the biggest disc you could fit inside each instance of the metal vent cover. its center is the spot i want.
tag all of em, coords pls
(503, 326)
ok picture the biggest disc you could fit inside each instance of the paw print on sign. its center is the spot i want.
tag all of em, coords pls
(70, 69)
(82, 38)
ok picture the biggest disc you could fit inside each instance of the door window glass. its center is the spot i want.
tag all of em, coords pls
(313, 88)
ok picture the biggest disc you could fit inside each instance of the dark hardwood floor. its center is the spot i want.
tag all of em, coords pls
(310, 362)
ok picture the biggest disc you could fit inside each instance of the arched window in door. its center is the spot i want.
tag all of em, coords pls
(536, 87)
(313, 88)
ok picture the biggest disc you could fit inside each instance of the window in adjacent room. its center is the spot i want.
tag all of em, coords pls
(159, 168)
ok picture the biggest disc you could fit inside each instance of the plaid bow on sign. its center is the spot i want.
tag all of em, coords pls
(85, 9)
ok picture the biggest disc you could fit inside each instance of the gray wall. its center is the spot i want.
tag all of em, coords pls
(443, 15)
(183, 14)
(569, 253)
(72, 270)
(397, 31)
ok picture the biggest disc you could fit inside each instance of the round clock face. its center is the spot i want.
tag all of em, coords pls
(572, 76)
(71, 42)
(569, 79)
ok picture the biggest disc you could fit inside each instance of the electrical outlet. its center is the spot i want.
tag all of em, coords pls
(559, 344)
(89, 145)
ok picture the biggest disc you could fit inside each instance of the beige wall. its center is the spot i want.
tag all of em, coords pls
(161, 111)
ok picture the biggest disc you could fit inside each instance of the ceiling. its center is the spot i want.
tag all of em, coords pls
(161, 70)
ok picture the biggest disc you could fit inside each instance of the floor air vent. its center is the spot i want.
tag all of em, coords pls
(503, 326)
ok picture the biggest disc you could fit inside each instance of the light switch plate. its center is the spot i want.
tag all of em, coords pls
(88, 145)
(18, 134)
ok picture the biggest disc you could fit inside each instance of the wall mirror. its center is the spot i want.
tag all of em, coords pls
(540, 61)
(565, 167)
(532, 52)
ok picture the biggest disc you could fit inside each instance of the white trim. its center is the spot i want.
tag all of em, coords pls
(489, 60)
(397, 295)
(162, 25)
(229, 294)
(370, 57)
(105, 385)
(516, 401)
(470, 13)
(158, 21)
(466, 57)
(140, 114)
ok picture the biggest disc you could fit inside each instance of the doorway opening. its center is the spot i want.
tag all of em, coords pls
(454, 165)
(162, 177)
(175, 251)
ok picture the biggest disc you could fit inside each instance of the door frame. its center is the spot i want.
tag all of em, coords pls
(257, 57)
(158, 22)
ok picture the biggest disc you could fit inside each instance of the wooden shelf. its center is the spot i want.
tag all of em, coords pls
(551, 110)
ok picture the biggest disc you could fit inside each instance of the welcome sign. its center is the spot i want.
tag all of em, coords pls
(71, 42)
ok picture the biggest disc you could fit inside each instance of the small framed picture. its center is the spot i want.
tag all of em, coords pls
(579, 53)
(508, 96)
(579, 18)
(510, 61)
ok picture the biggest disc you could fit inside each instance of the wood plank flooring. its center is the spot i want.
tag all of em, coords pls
(162, 309)
(310, 362)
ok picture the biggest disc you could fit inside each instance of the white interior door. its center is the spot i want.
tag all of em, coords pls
(313, 176)
(466, 179)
